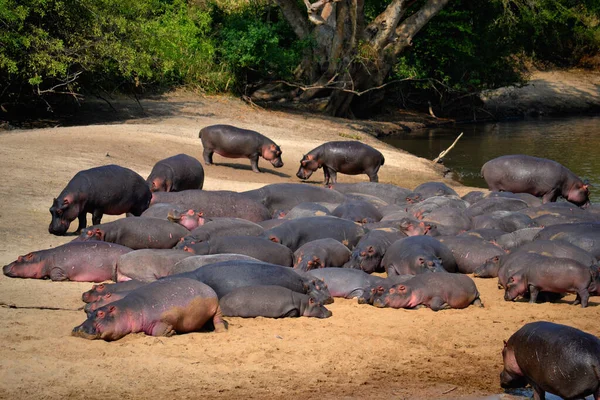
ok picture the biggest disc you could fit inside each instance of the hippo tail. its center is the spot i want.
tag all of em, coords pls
(382, 160)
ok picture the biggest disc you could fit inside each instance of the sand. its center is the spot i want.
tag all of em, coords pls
(360, 352)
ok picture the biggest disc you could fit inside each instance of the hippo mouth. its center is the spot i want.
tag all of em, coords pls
(86, 331)
(7, 270)
(378, 303)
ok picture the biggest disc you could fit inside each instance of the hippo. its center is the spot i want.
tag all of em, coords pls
(396, 215)
(375, 201)
(147, 265)
(585, 235)
(136, 233)
(473, 196)
(430, 189)
(161, 308)
(233, 142)
(357, 211)
(563, 208)
(540, 177)
(219, 203)
(285, 196)
(270, 302)
(507, 221)
(321, 253)
(491, 204)
(421, 209)
(408, 226)
(449, 221)
(552, 358)
(296, 232)
(416, 255)
(303, 210)
(509, 241)
(435, 291)
(555, 219)
(490, 235)
(470, 252)
(226, 276)
(109, 189)
(257, 247)
(346, 283)
(530, 199)
(551, 274)
(371, 248)
(221, 227)
(176, 173)
(98, 291)
(345, 157)
(74, 261)
(389, 193)
(194, 262)
(190, 219)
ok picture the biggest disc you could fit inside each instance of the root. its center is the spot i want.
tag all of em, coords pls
(7, 305)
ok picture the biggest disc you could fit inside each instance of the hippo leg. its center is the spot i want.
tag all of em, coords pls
(96, 217)
(477, 302)
(332, 176)
(326, 173)
(57, 274)
(163, 329)
(550, 196)
(437, 304)
(82, 222)
(538, 392)
(373, 175)
(218, 321)
(583, 296)
(254, 162)
(208, 156)
(533, 294)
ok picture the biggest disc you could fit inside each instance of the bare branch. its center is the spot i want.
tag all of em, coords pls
(342, 89)
(70, 79)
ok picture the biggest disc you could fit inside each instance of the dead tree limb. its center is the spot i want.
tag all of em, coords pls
(443, 153)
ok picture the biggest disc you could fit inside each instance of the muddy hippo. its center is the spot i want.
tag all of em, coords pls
(346, 283)
(98, 291)
(303, 210)
(270, 302)
(416, 255)
(470, 253)
(389, 193)
(147, 265)
(585, 235)
(346, 157)
(255, 247)
(435, 291)
(285, 196)
(176, 173)
(296, 232)
(552, 358)
(551, 274)
(540, 177)
(321, 253)
(136, 233)
(81, 262)
(221, 227)
(357, 211)
(232, 142)
(161, 308)
(226, 276)
(109, 189)
(219, 203)
(371, 248)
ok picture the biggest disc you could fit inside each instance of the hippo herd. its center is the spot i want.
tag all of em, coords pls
(185, 258)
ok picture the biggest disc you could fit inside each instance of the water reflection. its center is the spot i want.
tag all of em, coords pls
(572, 142)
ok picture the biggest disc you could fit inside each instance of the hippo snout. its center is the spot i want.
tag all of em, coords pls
(300, 175)
(507, 296)
(86, 331)
(277, 163)
(7, 270)
(379, 303)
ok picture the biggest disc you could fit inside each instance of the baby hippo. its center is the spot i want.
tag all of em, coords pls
(176, 173)
(161, 308)
(552, 358)
(436, 291)
(322, 253)
(271, 302)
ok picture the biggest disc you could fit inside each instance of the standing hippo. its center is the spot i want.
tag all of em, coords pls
(321, 253)
(416, 255)
(351, 158)
(552, 358)
(109, 189)
(161, 308)
(537, 176)
(176, 173)
(435, 291)
(74, 261)
(285, 196)
(136, 233)
(232, 142)
(270, 302)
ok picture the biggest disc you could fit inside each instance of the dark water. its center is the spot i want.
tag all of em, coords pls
(573, 142)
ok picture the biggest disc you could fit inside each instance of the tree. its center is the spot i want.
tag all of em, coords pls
(349, 55)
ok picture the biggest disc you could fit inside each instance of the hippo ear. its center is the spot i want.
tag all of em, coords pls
(392, 291)
(29, 257)
(112, 309)
(275, 239)
(100, 314)
(311, 301)
(185, 248)
(401, 288)
(511, 279)
(421, 260)
(108, 295)
(496, 258)
(370, 250)
(505, 343)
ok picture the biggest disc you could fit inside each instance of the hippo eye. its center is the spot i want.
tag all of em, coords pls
(59, 212)
(101, 286)
(29, 256)
(100, 314)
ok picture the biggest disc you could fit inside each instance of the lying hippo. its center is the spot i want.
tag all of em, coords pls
(230, 141)
(435, 291)
(537, 176)
(285, 196)
(176, 173)
(491, 204)
(379, 289)
(109, 189)
(416, 255)
(98, 291)
(147, 264)
(371, 249)
(585, 235)
(74, 261)
(389, 193)
(346, 157)
(303, 210)
(429, 189)
(507, 221)
(218, 227)
(321, 253)
(190, 219)
(552, 358)
(357, 211)
(270, 302)
(161, 308)
(346, 283)
(517, 238)
(470, 253)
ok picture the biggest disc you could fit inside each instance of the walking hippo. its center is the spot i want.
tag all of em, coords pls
(161, 308)
(348, 157)
(470, 252)
(109, 189)
(74, 261)
(176, 173)
(136, 233)
(270, 302)
(146, 265)
(540, 177)
(552, 358)
(285, 196)
(435, 291)
(321, 253)
(98, 291)
(371, 248)
(232, 142)
(218, 203)
(416, 255)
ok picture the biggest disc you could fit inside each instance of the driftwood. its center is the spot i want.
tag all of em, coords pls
(443, 153)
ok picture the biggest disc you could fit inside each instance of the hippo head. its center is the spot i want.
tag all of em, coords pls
(308, 165)
(94, 293)
(412, 227)
(191, 219)
(430, 265)
(370, 294)
(367, 259)
(272, 153)
(103, 323)
(27, 266)
(91, 233)
(515, 286)
(158, 184)
(511, 376)
(317, 289)
(579, 194)
(489, 269)
(398, 296)
(316, 309)
(414, 198)
(63, 211)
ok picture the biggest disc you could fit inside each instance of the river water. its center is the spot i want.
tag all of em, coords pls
(573, 142)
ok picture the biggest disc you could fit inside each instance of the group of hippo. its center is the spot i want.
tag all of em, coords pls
(185, 257)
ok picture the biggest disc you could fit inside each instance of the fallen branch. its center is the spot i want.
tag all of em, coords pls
(7, 305)
(443, 153)
(305, 88)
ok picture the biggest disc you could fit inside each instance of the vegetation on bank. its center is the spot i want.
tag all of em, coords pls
(55, 50)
